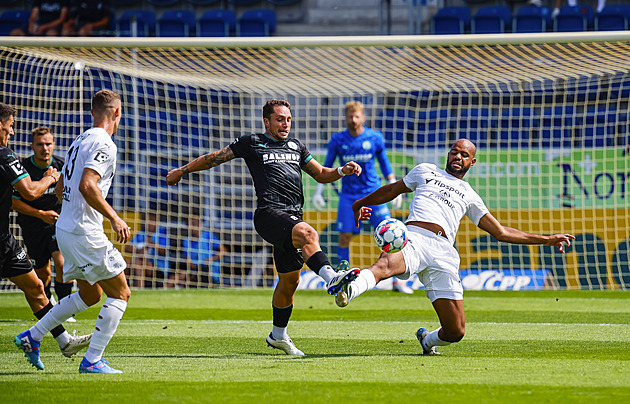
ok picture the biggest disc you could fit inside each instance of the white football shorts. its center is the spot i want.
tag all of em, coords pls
(90, 257)
(436, 262)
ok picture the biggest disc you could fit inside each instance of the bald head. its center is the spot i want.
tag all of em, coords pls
(461, 157)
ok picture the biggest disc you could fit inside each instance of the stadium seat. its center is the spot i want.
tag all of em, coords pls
(256, 23)
(163, 3)
(451, 20)
(492, 20)
(532, 19)
(145, 20)
(397, 125)
(241, 3)
(12, 19)
(571, 19)
(176, 23)
(216, 23)
(614, 17)
(202, 2)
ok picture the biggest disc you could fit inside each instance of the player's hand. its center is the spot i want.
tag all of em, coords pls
(123, 231)
(318, 201)
(52, 172)
(363, 213)
(351, 168)
(48, 216)
(397, 202)
(174, 176)
(558, 240)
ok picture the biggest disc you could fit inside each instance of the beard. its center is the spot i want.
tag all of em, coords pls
(456, 171)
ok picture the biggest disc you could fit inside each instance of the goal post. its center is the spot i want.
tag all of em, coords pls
(549, 115)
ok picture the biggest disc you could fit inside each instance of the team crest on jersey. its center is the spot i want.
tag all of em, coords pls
(366, 145)
(292, 145)
(101, 157)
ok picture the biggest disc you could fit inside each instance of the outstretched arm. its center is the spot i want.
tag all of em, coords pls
(515, 236)
(325, 175)
(47, 216)
(384, 194)
(204, 162)
(31, 190)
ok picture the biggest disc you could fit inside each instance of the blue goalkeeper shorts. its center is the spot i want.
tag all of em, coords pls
(345, 216)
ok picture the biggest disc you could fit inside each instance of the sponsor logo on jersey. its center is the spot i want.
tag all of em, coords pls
(445, 187)
(17, 167)
(269, 158)
(101, 157)
(21, 255)
(359, 157)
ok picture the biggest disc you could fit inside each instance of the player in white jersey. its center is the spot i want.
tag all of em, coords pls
(90, 257)
(441, 199)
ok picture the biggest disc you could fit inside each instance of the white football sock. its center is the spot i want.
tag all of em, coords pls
(279, 333)
(106, 324)
(364, 282)
(432, 339)
(59, 313)
(327, 273)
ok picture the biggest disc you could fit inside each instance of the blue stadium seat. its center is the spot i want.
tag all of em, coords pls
(431, 127)
(145, 20)
(241, 3)
(532, 19)
(492, 20)
(571, 19)
(202, 2)
(451, 20)
(614, 17)
(216, 23)
(163, 3)
(12, 19)
(176, 23)
(256, 23)
(396, 125)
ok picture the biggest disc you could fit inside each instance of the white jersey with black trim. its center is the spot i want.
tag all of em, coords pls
(442, 199)
(94, 149)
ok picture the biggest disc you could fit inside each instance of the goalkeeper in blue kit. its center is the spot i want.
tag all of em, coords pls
(363, 145)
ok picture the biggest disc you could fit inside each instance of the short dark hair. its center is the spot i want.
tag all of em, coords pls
(272, 104)
(40, 131)
(6, 111)
(104, 99)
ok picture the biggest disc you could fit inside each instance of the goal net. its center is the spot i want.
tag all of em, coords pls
(549, 116)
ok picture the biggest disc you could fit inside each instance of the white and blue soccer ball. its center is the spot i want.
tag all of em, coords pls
(391, 235)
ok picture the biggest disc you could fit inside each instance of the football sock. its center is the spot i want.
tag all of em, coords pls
(279, 333)
(432, 339)
(47, 291)
(106, 324)
(364, 282)
(320, 264)
(58, 314)
(58, 331)
(343, 253)
(63, 289)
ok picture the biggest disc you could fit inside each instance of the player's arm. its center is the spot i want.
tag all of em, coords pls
(59, 189)
(515, 236)
(62, 17)
(325, 175)
(31, 190)
(92, 194)
(204, 162)
(47, 216)
(384, 194)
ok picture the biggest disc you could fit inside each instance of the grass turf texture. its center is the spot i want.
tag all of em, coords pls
(209, 346)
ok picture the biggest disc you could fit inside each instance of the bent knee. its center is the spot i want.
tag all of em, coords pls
(455, 334)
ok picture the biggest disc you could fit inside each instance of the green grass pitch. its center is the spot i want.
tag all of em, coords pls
(209, 346)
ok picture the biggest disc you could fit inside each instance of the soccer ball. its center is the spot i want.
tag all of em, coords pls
(391, 235)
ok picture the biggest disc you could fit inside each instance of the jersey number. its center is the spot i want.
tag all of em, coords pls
(72, 159)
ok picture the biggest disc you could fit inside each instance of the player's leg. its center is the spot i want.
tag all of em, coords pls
(109, 317)
(44, 273)
(387, 266)
(452, 322)
(62, 289)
